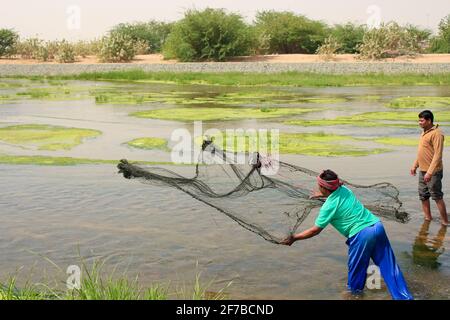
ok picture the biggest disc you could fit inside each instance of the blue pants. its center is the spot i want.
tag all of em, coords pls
(372, 242)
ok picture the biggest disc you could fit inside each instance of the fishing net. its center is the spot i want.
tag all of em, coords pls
(270, 198)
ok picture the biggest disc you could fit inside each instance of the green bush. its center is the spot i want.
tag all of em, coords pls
(441, 43)
(349, 35)
(211, 34)
(150, 36)
(290, 33)
(117, 47)
(8, 42)
(391, 40)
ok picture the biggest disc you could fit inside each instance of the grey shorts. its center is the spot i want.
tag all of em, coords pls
(431, 189)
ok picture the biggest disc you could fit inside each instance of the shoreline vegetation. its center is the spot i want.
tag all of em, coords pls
(292, 78)
(96, 283)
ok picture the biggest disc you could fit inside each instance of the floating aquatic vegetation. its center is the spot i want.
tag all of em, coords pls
(409, 142)
(209, 114)
(45, 137)
(62, 161)
(373, 119)
(420, 102)
(54, 93)
(149, 143)
(311, 144)
(49, 161)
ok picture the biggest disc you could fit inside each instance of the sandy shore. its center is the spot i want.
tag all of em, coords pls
(282, 58)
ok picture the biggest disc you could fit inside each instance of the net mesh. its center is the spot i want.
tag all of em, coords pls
(270, 198)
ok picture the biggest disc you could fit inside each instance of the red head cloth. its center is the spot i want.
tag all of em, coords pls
(331, 185)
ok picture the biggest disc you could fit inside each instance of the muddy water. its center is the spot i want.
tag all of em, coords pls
(161, 234)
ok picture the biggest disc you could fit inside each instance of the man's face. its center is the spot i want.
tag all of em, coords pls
(424, 124)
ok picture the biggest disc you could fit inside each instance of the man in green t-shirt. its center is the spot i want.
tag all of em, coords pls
(367, 238)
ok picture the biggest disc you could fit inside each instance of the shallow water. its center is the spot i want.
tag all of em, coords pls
(161, 233)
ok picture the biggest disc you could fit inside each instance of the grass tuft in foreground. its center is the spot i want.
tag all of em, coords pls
(96, 284)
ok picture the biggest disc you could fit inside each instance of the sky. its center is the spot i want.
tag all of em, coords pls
(89, 19)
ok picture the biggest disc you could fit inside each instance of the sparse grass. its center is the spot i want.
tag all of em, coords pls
(420, 102)
(209, 114)
(97, 284)
(300, 79)
(45, 137)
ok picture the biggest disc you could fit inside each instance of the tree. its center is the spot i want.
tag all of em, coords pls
(8, 42)
(211, 34)
(152, 33)
(349, 35)
(441, 43)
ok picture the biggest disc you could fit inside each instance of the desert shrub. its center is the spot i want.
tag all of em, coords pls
(8, 42)
(211, 34)
(29, 48)
(287, 32)
(329, 48)
(149, 36)
(389, 40)
(117, 47)
(349, 35)
(84, 48)
(441, 43)
(65, 53)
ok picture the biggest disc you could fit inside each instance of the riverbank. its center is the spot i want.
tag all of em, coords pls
(297, 79)
(331, 68)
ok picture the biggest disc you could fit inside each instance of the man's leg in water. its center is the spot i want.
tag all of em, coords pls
(384, 257)
(360, 248)
(424, 195)
(442, 211)
(426, 209)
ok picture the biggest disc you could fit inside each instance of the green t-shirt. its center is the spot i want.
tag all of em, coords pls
(344, 211)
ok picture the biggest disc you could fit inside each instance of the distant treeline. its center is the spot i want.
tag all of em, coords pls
(216, 35)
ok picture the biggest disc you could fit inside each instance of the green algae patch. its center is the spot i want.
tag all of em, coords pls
(263, 97)
(49, 161)
(409, 142)
(45, 137)
(64, 161)
(5, 98)
(420, 102)
(209, 114)
(54, 93)
(311, 144)
(373, 119)
(149, 143)
(231, 98)
(130, 98)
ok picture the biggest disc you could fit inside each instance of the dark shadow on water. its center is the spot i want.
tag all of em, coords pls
(426, 250)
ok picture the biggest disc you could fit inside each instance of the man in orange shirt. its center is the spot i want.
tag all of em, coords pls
(429, 162)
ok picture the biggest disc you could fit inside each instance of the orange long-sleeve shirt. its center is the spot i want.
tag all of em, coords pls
(429, 153)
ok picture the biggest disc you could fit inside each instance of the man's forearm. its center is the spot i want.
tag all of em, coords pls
(309, 233)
